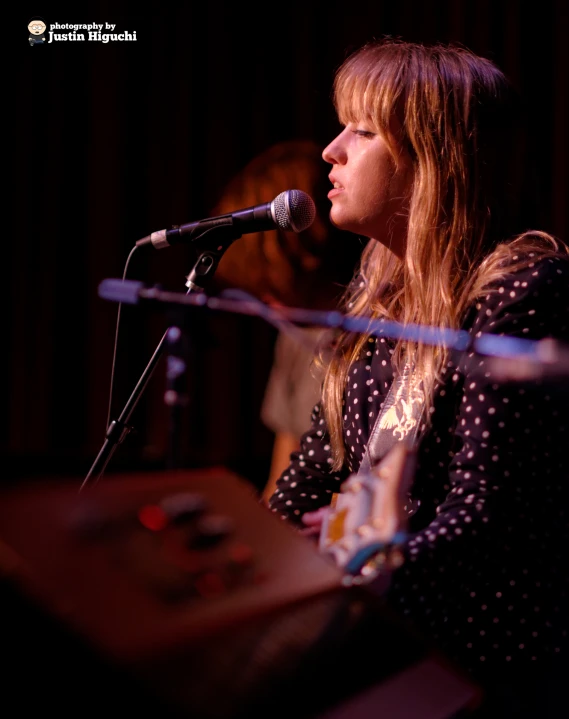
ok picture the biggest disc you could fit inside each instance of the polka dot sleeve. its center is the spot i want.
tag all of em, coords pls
(308, 483)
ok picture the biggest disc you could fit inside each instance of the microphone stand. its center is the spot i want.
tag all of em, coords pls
(204, 268)
(515, 357)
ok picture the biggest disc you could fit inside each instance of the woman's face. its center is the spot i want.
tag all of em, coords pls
(371, 189)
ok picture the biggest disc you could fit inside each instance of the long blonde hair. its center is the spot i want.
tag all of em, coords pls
(458, 116)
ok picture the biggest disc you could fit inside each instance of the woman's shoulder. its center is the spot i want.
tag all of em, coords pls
(522, 262)
(530, 298)
(530, 273)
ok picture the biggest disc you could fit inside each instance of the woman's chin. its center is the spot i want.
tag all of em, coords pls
(339, 218)
(344, 223)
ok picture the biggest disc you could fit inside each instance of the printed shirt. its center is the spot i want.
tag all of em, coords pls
(485, 571)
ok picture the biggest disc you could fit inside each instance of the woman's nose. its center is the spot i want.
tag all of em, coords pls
(333, 153)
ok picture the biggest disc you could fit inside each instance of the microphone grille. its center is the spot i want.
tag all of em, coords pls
(293, 210)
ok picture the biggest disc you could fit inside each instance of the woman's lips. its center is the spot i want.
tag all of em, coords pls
(336, 189)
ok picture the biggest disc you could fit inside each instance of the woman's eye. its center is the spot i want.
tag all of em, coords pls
(363, 133)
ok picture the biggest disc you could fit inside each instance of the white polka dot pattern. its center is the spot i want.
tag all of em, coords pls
(488, 550)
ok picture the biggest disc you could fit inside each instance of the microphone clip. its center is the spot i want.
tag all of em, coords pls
(204, 268)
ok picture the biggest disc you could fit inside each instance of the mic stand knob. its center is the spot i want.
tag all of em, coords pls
(175, 396)
(205, 266)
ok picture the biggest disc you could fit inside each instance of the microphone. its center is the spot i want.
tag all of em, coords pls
(291, 210)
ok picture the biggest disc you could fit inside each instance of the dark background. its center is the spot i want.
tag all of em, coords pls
(108, 142)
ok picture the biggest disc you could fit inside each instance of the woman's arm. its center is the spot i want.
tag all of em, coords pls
(308, 483)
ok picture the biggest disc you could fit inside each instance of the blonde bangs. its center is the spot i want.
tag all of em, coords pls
(366, 90)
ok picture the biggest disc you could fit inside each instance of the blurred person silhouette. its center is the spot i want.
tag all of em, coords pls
(310, 270)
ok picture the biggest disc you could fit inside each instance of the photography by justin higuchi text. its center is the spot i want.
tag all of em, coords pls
(42, 33)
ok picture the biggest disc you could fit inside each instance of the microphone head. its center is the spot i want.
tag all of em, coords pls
(293, 210)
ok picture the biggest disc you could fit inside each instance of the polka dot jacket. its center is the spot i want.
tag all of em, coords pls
(486, 557)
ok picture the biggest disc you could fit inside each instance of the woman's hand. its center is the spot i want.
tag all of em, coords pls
(313, 522)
